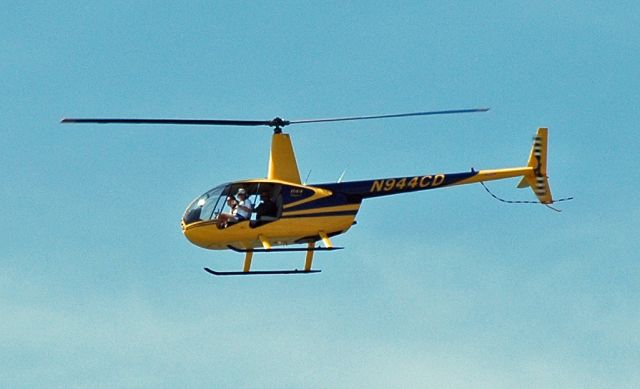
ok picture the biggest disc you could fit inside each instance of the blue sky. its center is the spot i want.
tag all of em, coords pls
(450, 288)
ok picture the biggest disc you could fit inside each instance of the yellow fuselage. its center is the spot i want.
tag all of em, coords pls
(280, 232)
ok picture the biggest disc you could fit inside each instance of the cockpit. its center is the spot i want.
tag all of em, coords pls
(265, 200)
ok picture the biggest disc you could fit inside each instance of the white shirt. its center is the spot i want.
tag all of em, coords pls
(244, 209)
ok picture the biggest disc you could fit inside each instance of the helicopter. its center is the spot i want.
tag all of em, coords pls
(293, 213)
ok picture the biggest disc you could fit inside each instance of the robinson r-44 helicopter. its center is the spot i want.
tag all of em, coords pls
(291, 212)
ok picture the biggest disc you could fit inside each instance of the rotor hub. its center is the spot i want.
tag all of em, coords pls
(277, 124)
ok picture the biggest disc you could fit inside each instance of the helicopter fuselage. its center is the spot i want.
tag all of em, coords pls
(302, 212)
(305, 212)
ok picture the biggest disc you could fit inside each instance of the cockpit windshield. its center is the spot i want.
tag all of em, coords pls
(203, 207)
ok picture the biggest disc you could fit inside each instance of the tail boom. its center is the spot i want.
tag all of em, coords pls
(533, 175)
(496, 174)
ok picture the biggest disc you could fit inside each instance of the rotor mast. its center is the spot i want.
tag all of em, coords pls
(282, 159)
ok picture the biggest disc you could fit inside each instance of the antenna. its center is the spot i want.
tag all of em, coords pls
(341, 176)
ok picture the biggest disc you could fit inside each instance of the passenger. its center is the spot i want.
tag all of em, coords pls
(244, 208)
(267, 209)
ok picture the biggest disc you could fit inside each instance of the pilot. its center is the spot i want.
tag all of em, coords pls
(267, 209)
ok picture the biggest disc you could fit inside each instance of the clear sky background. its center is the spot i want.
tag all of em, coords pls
(448, 288)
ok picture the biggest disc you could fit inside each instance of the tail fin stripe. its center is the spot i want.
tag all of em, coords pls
(537, 179)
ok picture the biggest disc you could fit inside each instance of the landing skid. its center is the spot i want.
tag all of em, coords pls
(258, 272)
(280, 250)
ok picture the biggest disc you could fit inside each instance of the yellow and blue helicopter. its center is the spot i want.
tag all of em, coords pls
(289, 212)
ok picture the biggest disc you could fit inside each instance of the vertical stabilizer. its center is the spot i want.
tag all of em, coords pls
(537, 179)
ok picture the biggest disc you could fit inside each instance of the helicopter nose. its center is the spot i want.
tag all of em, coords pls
(199, 235)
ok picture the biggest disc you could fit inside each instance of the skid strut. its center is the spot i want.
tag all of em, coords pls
(310, 249)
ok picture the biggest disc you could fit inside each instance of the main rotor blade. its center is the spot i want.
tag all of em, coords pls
(277, 122)
(396, 115)
(207, 122)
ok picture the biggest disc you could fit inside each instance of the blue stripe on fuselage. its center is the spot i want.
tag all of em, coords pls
(390, 186)
(353, 192)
